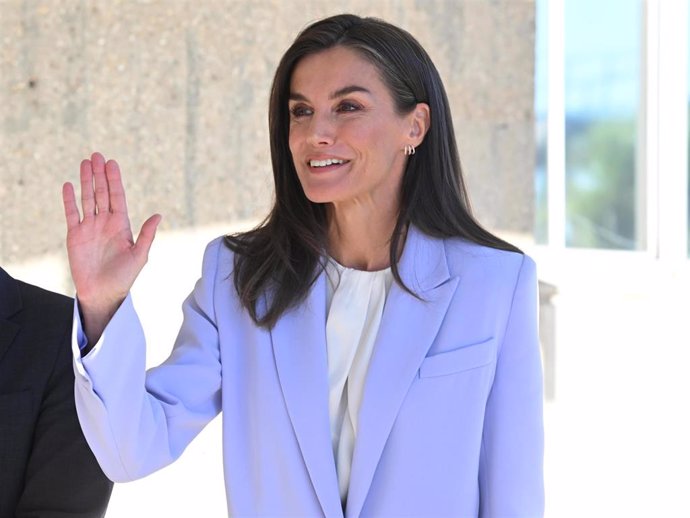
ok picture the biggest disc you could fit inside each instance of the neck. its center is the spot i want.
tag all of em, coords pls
(359, 235)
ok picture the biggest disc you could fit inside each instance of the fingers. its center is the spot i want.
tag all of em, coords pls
(70, 203)
(118, 201)
(102, 192)
(88, 204)
(146, 236)
(100, 184)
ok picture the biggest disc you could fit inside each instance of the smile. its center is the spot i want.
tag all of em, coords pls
(325, 163)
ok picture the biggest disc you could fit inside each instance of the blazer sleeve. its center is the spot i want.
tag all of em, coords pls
(135, 421)
(62, 476)
(511, 459)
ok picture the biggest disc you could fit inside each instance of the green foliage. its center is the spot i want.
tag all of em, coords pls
(600, 184)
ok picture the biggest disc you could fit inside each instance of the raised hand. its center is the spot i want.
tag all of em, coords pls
(103, 256)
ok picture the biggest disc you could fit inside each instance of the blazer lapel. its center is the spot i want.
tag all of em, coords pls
(408, 328)
(299, 347)
(10, 304)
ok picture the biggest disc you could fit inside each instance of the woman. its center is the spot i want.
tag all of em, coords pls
(374, 351)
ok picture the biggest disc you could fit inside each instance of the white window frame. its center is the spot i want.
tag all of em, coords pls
(666, 127)
(662, 147)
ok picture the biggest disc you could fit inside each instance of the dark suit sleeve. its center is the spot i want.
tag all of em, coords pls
(63, 478)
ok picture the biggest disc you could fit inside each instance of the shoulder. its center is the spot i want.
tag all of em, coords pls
(45, 313)
(468, 258)
(492, 282)
(36, 298)
(218, 258)
(217, 267)
(43, 321)
(27, 298)
(215, 248)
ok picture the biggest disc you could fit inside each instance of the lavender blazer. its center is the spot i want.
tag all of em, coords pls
(450, 422)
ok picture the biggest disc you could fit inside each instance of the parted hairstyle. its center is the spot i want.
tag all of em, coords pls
(281, 258)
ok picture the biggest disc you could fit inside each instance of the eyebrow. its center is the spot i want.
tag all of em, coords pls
(341, 92)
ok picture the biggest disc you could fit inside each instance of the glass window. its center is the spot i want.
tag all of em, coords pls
(602, 102)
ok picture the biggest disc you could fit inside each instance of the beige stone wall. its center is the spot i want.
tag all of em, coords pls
(177, 91)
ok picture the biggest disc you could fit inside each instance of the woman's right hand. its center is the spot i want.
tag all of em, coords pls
(103, 257)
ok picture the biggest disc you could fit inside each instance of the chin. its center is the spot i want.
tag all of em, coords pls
(323, 193)
(318, 196)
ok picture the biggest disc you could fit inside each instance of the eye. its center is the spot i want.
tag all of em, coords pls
(348, 106)
(300, 110)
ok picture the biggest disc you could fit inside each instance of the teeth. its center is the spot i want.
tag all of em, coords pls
(324, 163)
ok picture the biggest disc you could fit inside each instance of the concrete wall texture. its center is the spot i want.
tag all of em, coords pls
(177, 92)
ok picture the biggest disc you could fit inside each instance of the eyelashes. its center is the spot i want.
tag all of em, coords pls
(299, 111)
(349, 106)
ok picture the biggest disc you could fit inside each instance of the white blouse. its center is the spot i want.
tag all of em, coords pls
(354, 305)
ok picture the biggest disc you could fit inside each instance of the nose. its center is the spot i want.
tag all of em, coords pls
(321, 130)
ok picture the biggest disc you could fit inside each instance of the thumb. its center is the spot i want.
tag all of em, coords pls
(146, 236)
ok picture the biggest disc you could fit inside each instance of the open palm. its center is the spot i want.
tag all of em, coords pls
(103, 256)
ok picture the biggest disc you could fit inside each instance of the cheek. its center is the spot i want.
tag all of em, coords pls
(375, 138)
(361, 133)
(292, 139)
(296, 143)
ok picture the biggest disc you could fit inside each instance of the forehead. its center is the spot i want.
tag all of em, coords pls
(328, 70)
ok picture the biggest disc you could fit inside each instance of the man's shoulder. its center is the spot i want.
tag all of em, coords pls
(51, 311)
(23, 298)
(35, 296)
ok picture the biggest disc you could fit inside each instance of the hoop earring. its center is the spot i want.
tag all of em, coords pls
(409, 150)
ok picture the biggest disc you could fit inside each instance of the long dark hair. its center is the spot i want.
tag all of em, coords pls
(283, 256)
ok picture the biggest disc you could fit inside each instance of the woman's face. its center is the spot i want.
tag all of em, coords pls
(346, 138)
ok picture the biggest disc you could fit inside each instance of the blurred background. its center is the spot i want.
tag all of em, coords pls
(572, 123)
